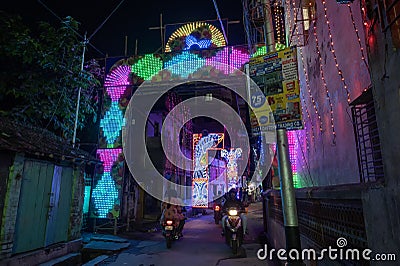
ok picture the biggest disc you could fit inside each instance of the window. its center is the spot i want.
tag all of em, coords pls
(392, 8)
(367, 138)
(304, 18)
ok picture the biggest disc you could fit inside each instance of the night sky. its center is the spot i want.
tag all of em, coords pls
(132, 19)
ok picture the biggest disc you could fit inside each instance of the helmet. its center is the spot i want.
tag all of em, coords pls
(232, 191)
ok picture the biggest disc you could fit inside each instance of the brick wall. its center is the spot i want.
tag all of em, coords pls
(10, 210)
(78, 188)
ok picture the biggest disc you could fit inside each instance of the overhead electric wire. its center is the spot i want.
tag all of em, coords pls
(77, 33)
(220, 21)
(101, 25)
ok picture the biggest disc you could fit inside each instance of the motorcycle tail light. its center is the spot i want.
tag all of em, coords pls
(169, 222)
(217, 208)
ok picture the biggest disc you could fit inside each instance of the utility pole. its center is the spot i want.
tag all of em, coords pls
(289, 209)
(161, 28)
(79, 93)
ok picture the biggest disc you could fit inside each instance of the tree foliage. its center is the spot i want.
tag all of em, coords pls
(40, 75)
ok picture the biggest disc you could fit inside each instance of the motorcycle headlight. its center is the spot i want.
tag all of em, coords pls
(233, 212)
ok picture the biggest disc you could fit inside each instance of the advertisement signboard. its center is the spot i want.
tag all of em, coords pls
(277, 77)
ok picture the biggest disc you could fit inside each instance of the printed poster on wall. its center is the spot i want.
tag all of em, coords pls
(277, 76)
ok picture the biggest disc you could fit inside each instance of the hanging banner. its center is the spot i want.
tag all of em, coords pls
(277, 77)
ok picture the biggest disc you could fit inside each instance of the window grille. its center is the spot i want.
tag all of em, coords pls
(367, 138)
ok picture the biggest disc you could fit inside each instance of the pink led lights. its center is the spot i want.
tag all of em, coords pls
(108, 157)
(229, 56)
(116, 82)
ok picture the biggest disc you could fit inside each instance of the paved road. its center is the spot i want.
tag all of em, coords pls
(202, 245)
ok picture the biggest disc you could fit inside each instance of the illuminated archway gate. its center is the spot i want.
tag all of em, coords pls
(128, 73)
(200, 181)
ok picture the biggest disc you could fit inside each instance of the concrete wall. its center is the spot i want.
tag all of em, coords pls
(385, 68)
(77, 204)
(10, 210)
(383, 216)
(323, 159)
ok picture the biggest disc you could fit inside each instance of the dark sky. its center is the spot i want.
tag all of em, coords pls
(133, 19)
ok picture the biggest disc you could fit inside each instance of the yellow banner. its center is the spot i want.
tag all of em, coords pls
(276, 75)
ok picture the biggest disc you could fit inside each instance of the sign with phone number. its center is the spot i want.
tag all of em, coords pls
(276, 75)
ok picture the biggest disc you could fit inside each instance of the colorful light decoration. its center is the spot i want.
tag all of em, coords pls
(229, 56)
(147, 66)
(278, 21)
(191, 41)
(116, 82)
(310, 93)
(333, 52)
(105, 194)
(325, 85)
(112, 124)
(200, 192)
(231, 157)
(363, 58)
(217, 38)
(293, 146)
(201, 145)
(184, 64)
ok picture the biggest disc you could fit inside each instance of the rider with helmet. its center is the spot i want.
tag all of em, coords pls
(231, 202)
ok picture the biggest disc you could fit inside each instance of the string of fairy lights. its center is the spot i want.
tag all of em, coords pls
(324, 83)
(363, 57)
(314, 104)
(332, 48)
(289, 18)
(309, 93)
(278, 21)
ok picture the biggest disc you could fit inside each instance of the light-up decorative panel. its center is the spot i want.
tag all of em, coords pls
(147, 66)
(105, 194)
(188, 64)
(112, 123)
(189, 48)
(116, 84)
(203, 34)
(292, 142)
(231, 157)
(231, 56)
(201, 145)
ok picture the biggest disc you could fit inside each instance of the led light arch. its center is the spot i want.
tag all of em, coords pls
(217, 38)
(106, 193)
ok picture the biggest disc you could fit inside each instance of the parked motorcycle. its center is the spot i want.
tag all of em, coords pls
(233, 229)
(170, 232)
(217, 213)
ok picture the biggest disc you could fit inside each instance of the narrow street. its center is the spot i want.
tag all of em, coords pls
(202, 244)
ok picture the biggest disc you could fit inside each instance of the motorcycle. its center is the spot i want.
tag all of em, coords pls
(217, 212)
(170, 232)
(233, 229)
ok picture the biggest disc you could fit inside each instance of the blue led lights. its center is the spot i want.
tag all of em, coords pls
(188, 64)
(112, 124)
(105, 194)
(191, 40)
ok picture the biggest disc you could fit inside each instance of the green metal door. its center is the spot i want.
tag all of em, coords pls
(32, 216)
(60, 206)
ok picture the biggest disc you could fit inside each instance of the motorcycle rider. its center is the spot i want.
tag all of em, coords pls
(231, 202)
(174, 210)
